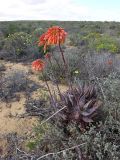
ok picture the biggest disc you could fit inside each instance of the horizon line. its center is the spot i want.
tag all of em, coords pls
(61, 20)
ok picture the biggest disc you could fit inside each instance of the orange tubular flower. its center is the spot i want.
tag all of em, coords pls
(38, 65)
(55, 35)
(43, 42)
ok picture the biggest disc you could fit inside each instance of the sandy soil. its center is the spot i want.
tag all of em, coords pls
(9, 113)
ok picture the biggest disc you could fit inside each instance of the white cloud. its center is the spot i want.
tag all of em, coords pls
(41, 10)
(52, 10)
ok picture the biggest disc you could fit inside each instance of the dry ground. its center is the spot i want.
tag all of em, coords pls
(10, 122)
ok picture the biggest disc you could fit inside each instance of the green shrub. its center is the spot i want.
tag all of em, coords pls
(111, 87)
(1, 40)
(77, 39)
(13, 82)
(37, 33)
(104, 43)
(92, 35)
(18, 43)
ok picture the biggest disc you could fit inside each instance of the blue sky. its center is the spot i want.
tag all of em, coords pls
(80, 10)
(102, 9)
(99, 3)
(107, 4)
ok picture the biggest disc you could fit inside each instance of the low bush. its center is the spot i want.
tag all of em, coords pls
(1, 40)
(104, 43)
(37, 107)
(14, 82)
(111, 87)
(18, 46)
(101, 65)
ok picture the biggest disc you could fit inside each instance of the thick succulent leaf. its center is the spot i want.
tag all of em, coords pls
(90, 111)
(95, 107)
(93, 92)
(91, 89)
(71, 104)
(97, 104)
(81, 102)
(89, 104)
(76, 115)
(86, 91)
(65, 98)
(86, 119)
(80, 91)
(93, 115)
(70, 97)
(85, 88)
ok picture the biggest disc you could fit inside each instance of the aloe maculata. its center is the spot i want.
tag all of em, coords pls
(81, 105)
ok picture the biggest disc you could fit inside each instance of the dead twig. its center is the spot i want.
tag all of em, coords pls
(53, 115)
(46, 155)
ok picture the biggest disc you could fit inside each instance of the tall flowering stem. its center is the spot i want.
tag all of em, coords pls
(55, 36)
(38, 65)
(48, 57)
(62, 54)
(61, 51)
(47, 86)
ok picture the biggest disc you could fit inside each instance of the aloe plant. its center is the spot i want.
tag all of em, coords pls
(81, 105)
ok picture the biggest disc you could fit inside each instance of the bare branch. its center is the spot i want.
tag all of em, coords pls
(53, 115)
(46, 155)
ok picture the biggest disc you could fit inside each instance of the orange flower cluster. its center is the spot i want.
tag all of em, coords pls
(54, 36)
(38, 65)
(43, 41)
